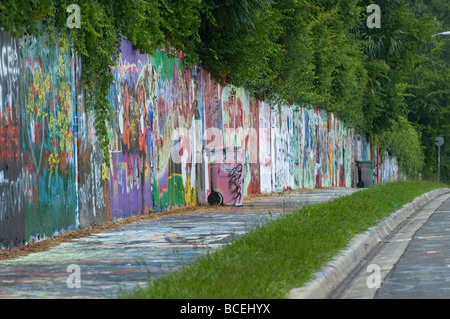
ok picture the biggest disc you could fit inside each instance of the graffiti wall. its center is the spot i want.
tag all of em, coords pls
(48, 150)
(388, 169)
(167, 117)
(12, 213)
(38, 191)
(92, 175)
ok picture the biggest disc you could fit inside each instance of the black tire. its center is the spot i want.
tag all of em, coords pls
(215, 199)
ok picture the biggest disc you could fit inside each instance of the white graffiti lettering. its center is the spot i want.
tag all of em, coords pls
(11, 195)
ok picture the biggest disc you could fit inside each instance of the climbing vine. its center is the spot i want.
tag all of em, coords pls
(149, 25)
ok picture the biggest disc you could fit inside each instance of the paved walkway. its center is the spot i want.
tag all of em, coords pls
(423, 271)
(414, 262)
(116, 261)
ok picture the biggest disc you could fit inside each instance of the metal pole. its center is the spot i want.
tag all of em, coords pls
(439, 162)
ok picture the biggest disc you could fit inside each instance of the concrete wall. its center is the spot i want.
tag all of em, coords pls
(12, 213)
(52, 175)
(37, 158)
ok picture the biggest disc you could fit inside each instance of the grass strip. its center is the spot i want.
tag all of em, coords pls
(284, 253)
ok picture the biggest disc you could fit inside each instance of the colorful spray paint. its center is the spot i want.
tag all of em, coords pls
(12, 213)
(48, 135)
(52, 172)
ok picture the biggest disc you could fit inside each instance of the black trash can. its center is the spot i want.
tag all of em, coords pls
(365, 173)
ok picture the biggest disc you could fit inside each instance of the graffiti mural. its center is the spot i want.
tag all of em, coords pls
(48, 135)
(174, 134)
(92, 173)
(53, 175)
(264, 138)
(11, 172)
(132, 98)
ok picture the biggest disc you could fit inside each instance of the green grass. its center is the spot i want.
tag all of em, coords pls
(285, 253)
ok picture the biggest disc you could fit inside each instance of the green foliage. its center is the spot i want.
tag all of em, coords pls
(429, 106)
(238, 40)
(391, 52)
(405, 82)
(403, 141)
(321, 63)
(428, 93)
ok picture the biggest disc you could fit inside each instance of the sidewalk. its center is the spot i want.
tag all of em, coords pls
(116, 261)
(413, 260)
(423, 270)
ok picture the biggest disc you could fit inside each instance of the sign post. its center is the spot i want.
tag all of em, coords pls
(439, 141)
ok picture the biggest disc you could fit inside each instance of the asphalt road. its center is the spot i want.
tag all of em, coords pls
(413, 263)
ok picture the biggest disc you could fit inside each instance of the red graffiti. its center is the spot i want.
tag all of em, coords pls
(9, 137)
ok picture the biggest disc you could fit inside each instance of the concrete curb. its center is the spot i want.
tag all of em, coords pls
(329, 277)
